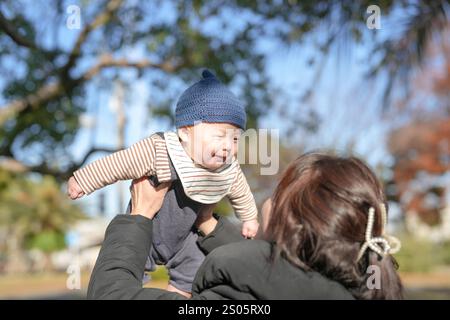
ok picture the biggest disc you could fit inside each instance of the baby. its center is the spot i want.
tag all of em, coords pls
(199, 160)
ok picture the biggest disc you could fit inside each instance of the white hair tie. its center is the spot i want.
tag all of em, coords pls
(382, 245)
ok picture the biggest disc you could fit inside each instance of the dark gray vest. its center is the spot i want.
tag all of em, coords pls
(175, 219)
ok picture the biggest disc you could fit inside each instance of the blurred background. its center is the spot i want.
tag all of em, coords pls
(80, 79)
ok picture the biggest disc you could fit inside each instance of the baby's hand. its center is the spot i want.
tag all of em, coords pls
(74, 190)
(249, 228)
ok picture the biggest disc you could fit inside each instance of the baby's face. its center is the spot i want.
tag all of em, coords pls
(211, 145)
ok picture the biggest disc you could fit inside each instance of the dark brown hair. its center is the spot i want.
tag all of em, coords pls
(318, 220)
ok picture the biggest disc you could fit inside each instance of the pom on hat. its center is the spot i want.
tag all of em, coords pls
(207, 74)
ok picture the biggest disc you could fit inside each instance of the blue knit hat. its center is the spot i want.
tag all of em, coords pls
(209, 100)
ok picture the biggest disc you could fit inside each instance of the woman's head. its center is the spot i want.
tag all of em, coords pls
(319, 217)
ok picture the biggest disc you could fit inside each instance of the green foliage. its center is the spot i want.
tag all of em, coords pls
(46, 241)
(36, 209)
(421, 256)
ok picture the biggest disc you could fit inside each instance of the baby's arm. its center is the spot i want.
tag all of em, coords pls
(244, 205)
(132, 163)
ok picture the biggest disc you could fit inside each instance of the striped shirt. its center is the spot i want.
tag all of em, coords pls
(150, 157)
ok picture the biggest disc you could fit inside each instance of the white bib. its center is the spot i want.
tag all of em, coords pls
(199, 184)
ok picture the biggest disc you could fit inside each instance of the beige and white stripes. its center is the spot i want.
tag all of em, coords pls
(151, 157)
(137, 161)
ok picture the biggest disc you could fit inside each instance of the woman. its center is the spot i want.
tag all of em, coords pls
(325, 227)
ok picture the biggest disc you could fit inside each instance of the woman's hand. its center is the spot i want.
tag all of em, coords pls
(147, 200)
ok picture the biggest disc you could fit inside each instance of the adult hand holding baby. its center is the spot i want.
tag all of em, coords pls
(147, 200)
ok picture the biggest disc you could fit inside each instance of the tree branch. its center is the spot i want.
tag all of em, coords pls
(107, 61)
(12, 165)
(42, 95)
(53, 91)
(89, 153)
(6, 26)
(99, 20)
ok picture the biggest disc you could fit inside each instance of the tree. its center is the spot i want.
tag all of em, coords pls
(46, 101)
(421, 151)
(34, 214)
(421, 146)
(46, 83)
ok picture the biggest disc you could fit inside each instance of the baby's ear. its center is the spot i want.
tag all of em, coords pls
(183, 133)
